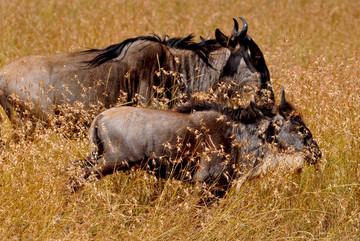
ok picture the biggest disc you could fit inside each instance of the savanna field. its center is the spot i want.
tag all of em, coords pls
(311, 48)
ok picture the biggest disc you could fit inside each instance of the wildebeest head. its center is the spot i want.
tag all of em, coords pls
(282, 140)
(245, 55)
(289, 132)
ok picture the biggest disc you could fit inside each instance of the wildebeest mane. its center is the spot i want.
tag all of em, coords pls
(251, 114)
(115, 50)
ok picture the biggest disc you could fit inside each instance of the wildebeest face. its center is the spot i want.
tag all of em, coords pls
(288, 131)
(237, 44)
(246, 59)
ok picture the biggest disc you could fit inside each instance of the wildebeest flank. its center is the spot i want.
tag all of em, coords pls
(133, 66)
(204, 146)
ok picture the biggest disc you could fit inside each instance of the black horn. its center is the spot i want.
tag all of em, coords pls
(243, 31)
(283, 100)
(235, 30)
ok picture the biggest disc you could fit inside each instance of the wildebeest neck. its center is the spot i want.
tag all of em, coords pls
(258, 61)
(231, 66)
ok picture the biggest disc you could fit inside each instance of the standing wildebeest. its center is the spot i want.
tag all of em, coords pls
(133, 66)
(205, 146)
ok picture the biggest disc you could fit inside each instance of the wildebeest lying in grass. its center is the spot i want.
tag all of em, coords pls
(133, 66)
(208, 146)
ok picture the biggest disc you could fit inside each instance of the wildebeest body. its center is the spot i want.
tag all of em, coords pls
(203, 146)
(134, 67)
(52, 80)
(127, 136)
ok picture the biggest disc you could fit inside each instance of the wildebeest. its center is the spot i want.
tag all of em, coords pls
(204, 146)
(133, 66)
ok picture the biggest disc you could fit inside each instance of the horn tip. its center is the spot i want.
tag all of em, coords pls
(236, 24)
(244, 30)
(243, 20)
(283, 99)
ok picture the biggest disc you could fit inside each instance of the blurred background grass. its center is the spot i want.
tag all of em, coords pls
(311, 48)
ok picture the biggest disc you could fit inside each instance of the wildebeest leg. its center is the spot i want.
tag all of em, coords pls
(93, 167)
(79, 172)
(214, 176)
(102, 167)
(7, 106)
(29, 111)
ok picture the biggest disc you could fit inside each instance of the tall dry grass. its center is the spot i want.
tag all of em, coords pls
(311, 47)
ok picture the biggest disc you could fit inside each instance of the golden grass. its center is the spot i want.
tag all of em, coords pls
(311, 47)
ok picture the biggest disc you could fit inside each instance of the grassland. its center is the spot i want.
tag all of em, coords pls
(311, 48)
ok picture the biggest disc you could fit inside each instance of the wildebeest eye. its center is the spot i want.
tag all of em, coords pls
(297, 119)
(305, 133)
(297, 129)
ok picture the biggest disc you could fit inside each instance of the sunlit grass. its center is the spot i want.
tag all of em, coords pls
(311, 48)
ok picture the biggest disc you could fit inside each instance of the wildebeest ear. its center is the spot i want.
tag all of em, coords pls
(221, 38)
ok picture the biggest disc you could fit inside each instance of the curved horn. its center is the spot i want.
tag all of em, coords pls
(235, 30)
(243, 32)
(283, 100)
